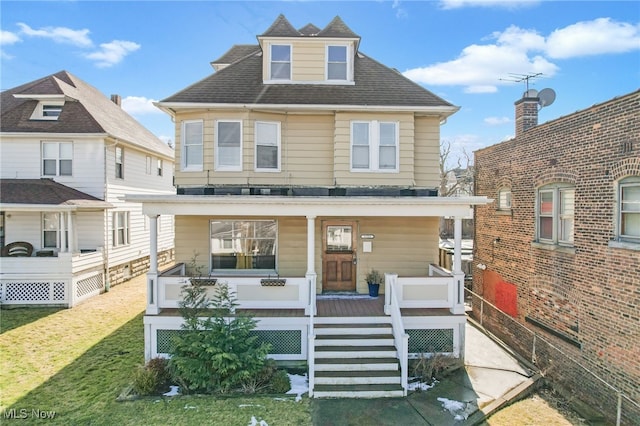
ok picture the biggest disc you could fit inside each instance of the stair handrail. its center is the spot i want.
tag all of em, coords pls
(311, 336)
(400, 338)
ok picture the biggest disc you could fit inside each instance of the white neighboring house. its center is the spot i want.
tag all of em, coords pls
(68, 156)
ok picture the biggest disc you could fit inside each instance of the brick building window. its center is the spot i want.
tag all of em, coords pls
(504, 199)
(629, 209)
(554, 213)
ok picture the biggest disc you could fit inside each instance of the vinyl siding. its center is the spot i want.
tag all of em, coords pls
(427, 152)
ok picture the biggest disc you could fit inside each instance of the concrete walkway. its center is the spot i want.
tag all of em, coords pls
(490, 378)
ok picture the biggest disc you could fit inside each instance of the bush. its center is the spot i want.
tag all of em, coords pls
(215, 352)
(151, 378)
(430, 368)
(280, 382)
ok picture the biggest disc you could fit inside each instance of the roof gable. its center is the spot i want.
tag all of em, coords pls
(281, 27)
(337, 28)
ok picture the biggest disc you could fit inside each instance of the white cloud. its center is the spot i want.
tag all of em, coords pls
(496, 121)
(596, 37)
(7, 38)
(63, 35)
(508, 4)
(138, 105)
(401, 12)
(112, 53)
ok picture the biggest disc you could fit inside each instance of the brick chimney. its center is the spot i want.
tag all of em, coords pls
(117, 99)
(526, 114)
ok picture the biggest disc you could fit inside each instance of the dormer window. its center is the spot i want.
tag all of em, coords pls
(49, 110)
(337, 64)
(280, 62)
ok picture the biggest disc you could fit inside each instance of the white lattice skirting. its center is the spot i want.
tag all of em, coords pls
(51, 292)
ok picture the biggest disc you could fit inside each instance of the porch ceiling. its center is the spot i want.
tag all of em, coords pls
(255, 205)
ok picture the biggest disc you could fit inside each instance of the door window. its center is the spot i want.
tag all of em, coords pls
(339, 238)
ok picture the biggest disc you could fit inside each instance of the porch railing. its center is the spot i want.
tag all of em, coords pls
(438, 290)
(250, 292)
(401, 339)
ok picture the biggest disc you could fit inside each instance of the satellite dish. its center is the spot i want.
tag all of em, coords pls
(546, 97)
(531, 93)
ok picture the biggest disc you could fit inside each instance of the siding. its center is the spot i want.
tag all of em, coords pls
(427, 152)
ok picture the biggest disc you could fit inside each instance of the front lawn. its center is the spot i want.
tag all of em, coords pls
(75, 362)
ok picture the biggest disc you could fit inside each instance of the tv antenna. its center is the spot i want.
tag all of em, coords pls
(518, 78)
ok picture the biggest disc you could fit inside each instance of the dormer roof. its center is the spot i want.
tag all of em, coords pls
(309, 30)
(337, 28)
(281, 27)
(237, 52)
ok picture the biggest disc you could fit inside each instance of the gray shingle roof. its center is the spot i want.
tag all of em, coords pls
(337, 28)
(46, 191)
(86, 110)
(375, 85)
(281, 27)
(237, 52)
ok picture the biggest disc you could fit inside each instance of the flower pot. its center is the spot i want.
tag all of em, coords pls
(373, 289)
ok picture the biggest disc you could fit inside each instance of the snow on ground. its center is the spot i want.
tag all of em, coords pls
(299, 385)
(255, 422)
(459, 410)
(413, 386)
(174, 390)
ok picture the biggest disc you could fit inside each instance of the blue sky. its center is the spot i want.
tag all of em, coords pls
(466, 51)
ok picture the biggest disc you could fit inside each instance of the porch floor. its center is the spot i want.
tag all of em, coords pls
(336, 307)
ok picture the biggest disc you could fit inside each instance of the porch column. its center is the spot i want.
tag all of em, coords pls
(311, 275)
(63, 234)
(70, 231)
(152, 274)
(458, 275)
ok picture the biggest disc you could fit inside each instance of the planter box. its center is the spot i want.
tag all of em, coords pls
(207, 282)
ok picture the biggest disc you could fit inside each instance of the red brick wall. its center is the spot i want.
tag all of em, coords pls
(589, 294)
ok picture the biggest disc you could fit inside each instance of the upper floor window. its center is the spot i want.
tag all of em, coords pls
(504, 199)
(244, 244)
(629, 209)
(555, 214)
(192, 134)
(120, 228)
(267, 146)
(148, 163)
(228, 145)
(57, 158)
(49, 110)
(119, 162)
(159, 167)
(374, 146)
(280, 62)
(337, 64)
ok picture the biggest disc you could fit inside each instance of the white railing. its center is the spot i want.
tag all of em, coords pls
(438, 290)
(311, 351)
(249, 291)
(400, 338)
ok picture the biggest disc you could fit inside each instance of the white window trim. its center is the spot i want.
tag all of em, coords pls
(221, 168)
(148, 164)
(374, 147)
(159, 167)
(628, 181)
(57, 158)
(280, 80)
(56, 230)
(349, 74)
(555, 190)
(116, 225)
(508, 196)
(278, 146)
(121, 176)
(38, 113)
(183, 156)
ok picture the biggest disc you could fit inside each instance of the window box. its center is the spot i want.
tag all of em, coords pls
(206, 282)
(273, 282)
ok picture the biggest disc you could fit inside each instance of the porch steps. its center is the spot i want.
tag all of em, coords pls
(355, 357)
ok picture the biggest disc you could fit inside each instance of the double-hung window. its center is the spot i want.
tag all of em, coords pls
(228, 149)
(555, 214)
(267, 136)
(629, 209)
(280, 62)
(337, 63)
(374, 146)
(119, 162)
(159, 167)
(504, 199)
(57, 158)
(120, 228)
(51, 230)
(244, 244)
(192, 156)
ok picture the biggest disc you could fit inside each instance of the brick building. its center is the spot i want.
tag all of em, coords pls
(559, 248)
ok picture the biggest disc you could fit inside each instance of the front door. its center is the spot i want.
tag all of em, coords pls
(339, 256)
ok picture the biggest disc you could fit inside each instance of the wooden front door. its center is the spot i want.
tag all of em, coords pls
(339, 256)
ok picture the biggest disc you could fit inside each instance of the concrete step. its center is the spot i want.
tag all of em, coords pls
(356, 364)
(358, 391)
(354, 340)
(343, 352)
(358, 377)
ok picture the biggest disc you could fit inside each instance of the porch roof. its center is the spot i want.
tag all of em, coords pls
(45, 195)
(257, 205)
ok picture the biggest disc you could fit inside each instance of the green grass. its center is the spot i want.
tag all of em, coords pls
(76, 362)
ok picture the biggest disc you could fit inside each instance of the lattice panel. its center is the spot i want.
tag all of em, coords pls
(89, 285)
(430, 341)
(27, 292)
(164, 339)
(59, 292)
(282, 341)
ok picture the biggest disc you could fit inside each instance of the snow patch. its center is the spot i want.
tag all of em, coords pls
(173, 391)
(255, 422)
(299, 385)
(459, 410)
(421, 386)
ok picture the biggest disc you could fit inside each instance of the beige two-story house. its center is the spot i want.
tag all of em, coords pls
(303, 164)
